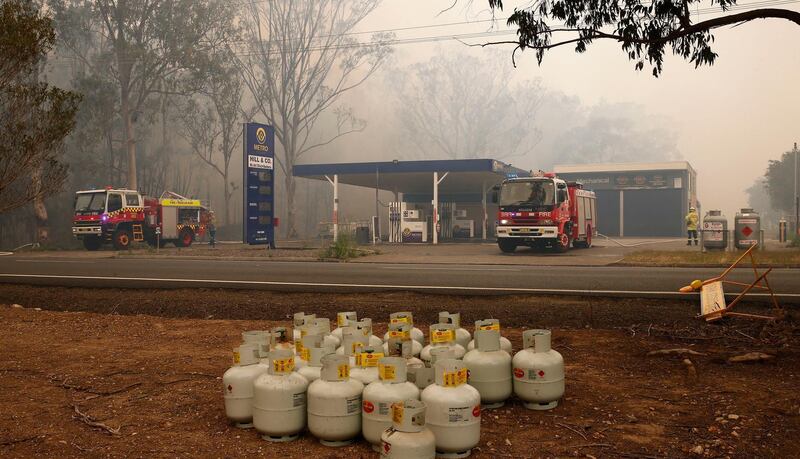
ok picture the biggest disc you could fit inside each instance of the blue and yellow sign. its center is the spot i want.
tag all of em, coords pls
(259, 184)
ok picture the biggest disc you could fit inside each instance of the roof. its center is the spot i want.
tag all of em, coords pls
(623, 167)
(466, 176)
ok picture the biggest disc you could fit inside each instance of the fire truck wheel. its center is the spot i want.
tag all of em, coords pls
(185, 238)
(562, 245)
(122, 239)
(92, 243)
(507, 246)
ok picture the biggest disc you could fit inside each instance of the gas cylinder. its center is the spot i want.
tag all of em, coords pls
(442, 335)
(489, 369)
(299, 319)
(334, 403)
(406, 317)
(379, 395)
(366, 369)
(279, 402)
(324, 326)
(423, 375)
(454, 410)
(490, 324)
(308, 329)
(343, 319)
(261, 338)
(538, 371)
(408, 437)
(237, 385)
(366, 323)
(279, 337)
(353, 340)
(313, 351)
(462, 336)
(401, 330)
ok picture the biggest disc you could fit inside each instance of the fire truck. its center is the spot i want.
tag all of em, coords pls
(121, 217)
(544, 211)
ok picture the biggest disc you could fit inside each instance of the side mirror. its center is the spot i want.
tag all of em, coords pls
(494, 197)
(562, 196)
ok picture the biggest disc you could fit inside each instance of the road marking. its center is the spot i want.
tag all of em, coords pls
(382, 286)
(5, 254)
(448, 268)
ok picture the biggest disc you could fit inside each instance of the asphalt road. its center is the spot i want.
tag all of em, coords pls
(352, 277)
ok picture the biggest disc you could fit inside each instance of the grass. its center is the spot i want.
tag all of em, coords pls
(776, 258)
(344, 248)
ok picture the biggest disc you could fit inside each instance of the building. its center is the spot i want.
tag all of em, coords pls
(638, 199)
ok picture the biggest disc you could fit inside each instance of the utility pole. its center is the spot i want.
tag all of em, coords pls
(796, 197)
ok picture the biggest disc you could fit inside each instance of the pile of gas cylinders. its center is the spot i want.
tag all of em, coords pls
(407, 398)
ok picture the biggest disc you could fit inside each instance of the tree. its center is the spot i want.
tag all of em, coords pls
(146, 47)
(301, 58)
(779, 181)
(644, 29)
(34, 117)
(460, 106)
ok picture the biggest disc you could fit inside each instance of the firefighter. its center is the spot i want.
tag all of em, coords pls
(691, 226)
(212, 230)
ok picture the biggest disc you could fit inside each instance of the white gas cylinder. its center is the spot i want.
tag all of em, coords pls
(366, 369)
(423, 375)
(298, 320)
(334, 403)
(538, 371)
(489, 369)
(406, 317)
(462, 335)
(408, 437)
(324, 327)
(279, 339)
(490, 324)
(366, 324)
(343, 319)
(401, 330)
(261, 338)
(454, 410)
(279, 402)
(313, 351)
(379, 395)
(442, 335)
(353, 341)
(237, 385)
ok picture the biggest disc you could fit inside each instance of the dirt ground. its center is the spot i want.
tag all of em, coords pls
(147, 365)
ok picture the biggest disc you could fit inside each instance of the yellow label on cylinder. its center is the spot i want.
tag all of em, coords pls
(305, 354)
(344, 371)
(490, 327)
(368, 359)
(236, 358)
(442, 336)
(298, 347)
(356, 346)
(341, 320)
(454, 378)
(397, 412)
(400, 320)
(399, 334)
(283, 365)
(386, 371)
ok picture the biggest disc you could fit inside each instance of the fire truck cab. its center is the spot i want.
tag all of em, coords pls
(544, 211)
(121, 216)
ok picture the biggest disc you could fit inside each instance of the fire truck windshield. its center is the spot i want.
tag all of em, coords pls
(535, 193)
(93, 202)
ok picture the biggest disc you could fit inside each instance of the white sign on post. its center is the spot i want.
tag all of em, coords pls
(259, 162)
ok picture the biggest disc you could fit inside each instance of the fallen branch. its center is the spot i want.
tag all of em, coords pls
(590, 445)
(751, 357)
(566, 426)
(14, 441)
(86, 419)
(678, 351)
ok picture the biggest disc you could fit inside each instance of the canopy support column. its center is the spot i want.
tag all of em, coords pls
(485, 212)
(435, 202)
(335, 183)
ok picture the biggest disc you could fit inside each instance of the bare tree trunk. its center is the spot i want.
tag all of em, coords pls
(291, 215)
(130, 141)
(39, 209)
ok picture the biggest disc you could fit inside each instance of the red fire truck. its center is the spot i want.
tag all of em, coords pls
(120, 217)
(544, 211)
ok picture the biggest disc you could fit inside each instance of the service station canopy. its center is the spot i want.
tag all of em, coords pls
(465, 180)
